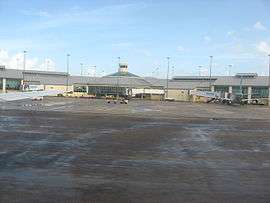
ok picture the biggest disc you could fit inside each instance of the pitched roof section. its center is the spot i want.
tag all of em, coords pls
(122, 74)
(205, 78)
(235, 81)
(179, 84)
(112, 81)
(18, 74)
(11, 73)
(131, 80)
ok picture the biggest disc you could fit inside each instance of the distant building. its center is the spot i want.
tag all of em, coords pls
(124, 83)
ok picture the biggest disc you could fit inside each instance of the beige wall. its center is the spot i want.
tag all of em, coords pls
(80, 94)
(179, 95)
(58, 87)
(146, 91)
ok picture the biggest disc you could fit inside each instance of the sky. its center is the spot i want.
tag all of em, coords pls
(143, 33)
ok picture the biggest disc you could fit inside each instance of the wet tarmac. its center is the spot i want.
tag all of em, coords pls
(70, 156)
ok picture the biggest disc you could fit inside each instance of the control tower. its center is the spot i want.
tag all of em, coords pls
(123, 67)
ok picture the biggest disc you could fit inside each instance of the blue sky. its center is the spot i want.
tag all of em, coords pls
(142, 33)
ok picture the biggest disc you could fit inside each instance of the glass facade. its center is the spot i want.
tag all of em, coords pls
(260, 92)
(203, 88)
(222, 89)
(80, 89)
(237, 90)
(13, 84)
(106, 90)
(1, 83)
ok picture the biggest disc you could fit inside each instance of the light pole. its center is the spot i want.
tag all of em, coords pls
(67, 82)
(269, 81)
(229, 71)
(210, 72)
(17, 59)
(47, 63)
(117, 80)
(81, 68)
(167, 81)
(119, 60)
(173, 71)
(157, 71)
(24, 64)
(95, 71)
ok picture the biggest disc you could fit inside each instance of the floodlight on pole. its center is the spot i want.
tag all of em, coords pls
(173, 70)
(94, 70)
(269, 71)
(117, 79)
(17, 59)
(24, 67)
(67, 82)
(167, 80)
(81, 69)
(210, 71)
(229, 71)
(47, 64)
(269, 80)
(157, 71)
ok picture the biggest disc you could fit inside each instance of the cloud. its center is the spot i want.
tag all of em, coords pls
(118, 13)
(203, 72)
(207, 39)
(16, 62)
(263, 47)
(181, 48)
(48, 65)
(231, 33)
(259, 26)
(36, 13)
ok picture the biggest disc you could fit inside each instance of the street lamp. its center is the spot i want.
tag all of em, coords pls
(269, 81)
(157, 71)
(47, 63)
(81, 68)
(67, 82)
(117, 78)
(95, 70)
(229, 71)
(167, 81)
(269, 72)
(17, 59)
(210, 72)
(173, 71)
(24, 64)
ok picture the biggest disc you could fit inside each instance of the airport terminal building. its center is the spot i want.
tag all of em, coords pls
(124, 83)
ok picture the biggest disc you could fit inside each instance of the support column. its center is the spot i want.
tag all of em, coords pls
(212, 88)
(87, 89)
(249, 94)
(4, 85)
(131, 92)
(22, 85)
(269, 96)
(230, 89)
